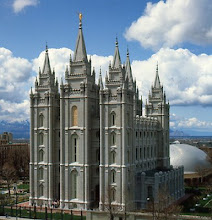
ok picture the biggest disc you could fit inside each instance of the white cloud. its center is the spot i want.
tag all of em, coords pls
(179, 123)
(187, 78)
(169, 23)
(15, 74)
(19, 5)
(15, 80)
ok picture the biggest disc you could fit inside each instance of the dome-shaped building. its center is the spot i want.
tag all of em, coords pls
(192, 158)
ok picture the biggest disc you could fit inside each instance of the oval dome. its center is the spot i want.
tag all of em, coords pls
(189, 156)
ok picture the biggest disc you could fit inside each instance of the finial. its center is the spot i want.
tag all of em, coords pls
(127, 51)
(46, 47)
(100, 71)
(80, 17)
(157, 67)
(70, 58)
(117, 41)
(80, 20)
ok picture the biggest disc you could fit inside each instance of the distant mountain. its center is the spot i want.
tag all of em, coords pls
(176, 133)
(20, 130)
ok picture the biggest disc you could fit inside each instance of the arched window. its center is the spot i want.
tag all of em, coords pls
(113, 138)
(41, 155)
(40, 173)
(74, 148)
(41, 138)
(113, 157)
(113, 118)
(74, 184)
(74, 114)
(41, 118)
(41, 190)
(113, 176)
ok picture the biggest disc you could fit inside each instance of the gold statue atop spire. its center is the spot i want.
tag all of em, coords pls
(80, 17)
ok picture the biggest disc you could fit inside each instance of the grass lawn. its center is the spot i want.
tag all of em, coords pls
(23, 186)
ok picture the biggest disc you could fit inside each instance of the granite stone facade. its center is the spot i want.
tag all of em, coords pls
(91, 145)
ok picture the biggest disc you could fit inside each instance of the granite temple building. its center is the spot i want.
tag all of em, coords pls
(91, 144)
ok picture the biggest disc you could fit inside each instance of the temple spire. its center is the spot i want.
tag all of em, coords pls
(80, 50)
(157, 79)
(100, 79)
(128, 68)
(116, 58)
(46, 66)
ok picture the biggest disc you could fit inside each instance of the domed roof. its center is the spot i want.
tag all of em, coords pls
(189, 156)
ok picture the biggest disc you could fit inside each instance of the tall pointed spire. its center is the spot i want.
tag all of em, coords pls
(116, 58)
(157, 79)
(100, 79)
(128, 68)
(46, 66)
(80, 50)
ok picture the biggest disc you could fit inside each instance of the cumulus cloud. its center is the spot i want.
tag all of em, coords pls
(15, 74)
(19, 5)
(15, 80)
(186, 77)
(172, 22)
(179, 122)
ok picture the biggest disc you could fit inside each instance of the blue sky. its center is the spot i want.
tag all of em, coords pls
(176, 33)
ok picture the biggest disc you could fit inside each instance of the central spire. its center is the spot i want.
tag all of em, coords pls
(46, 66)
(116, 58)
(80, 50)
(157, 79)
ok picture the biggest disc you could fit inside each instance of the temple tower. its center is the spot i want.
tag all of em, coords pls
(79, 127)
(44, 140)
(116, 133)
(158, 107)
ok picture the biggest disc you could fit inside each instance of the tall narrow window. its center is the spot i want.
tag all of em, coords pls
(41, 190)
(74, 116)
(41, 155)
(113, 118)
(113, 138)
(74, 148)
(41, 138)
(113, 176)
(41, 173)
(113, 195)
(41, 120)
(128, 119)
(113, 157)
(74, 184)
